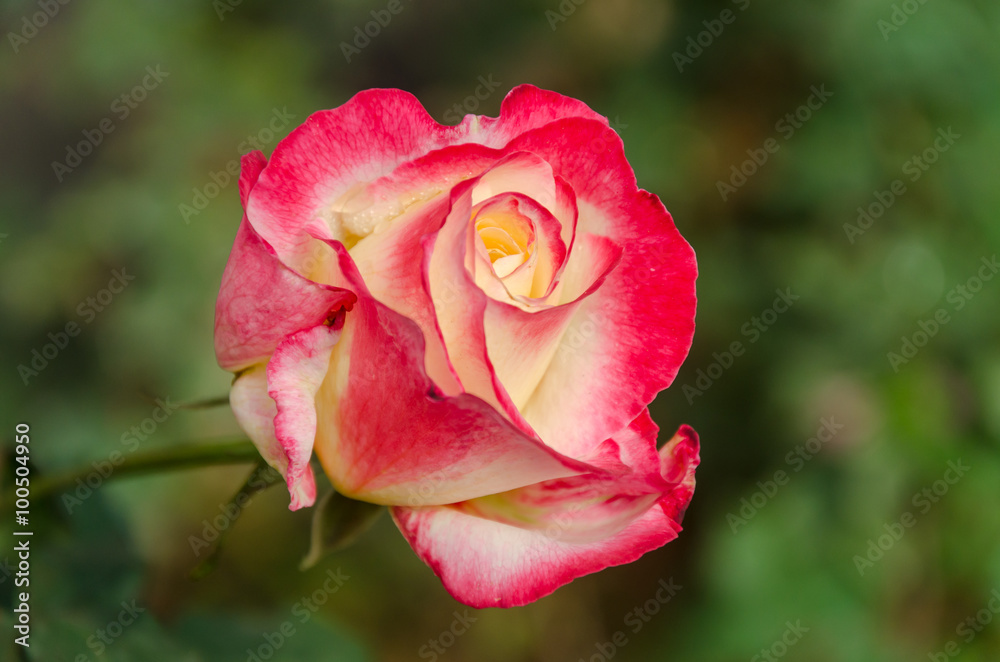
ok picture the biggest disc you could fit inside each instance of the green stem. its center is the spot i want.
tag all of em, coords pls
(220, 401)
(186, 456)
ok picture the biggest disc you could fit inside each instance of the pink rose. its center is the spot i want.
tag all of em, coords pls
(466, 323)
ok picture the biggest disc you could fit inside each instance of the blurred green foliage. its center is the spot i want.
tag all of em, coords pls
(686, 124)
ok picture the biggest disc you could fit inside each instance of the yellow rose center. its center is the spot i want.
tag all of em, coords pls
(507, 238)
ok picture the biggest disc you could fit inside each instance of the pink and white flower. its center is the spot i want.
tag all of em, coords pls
(467, 324)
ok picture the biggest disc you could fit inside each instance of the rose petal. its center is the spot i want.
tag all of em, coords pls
(483, 563)
(251, 165)
(294, 376)
(320, 169)
(319, 165)
(533, 279)
(390, 436)
(525, 107)
(488, 563)
(678, 460)
(390, 262)
(523, 343)
(255, 411)
(261, 301)
(633, 332)
(588, 507)
(459, 304)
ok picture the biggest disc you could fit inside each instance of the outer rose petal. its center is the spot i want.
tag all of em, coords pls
(678, 460)
(589, 507)
(485, 563)
(488, 564)
(251, 165)
(321, 161)
(294, 375)
(261, 301)
(255, 412)
(525, 107)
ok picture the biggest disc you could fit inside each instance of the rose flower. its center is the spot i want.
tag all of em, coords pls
(466, 324)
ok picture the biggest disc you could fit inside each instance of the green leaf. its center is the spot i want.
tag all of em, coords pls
(337, 523)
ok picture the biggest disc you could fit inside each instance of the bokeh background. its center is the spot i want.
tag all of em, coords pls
(690, 89)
